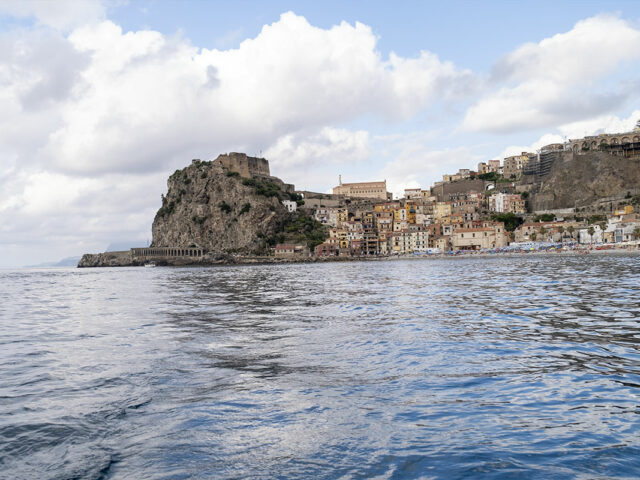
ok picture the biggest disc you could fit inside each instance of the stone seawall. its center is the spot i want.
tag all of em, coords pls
(137, 257)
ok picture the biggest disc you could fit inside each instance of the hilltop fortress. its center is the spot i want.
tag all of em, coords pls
(247, 167)
(212, 209)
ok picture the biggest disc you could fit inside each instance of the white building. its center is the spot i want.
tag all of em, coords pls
(624, 232)
(584, 237)
(412, 193)
(419, 241)
(290, 205)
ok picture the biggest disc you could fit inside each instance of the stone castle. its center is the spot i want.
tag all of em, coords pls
(247, 167)
(250, 167)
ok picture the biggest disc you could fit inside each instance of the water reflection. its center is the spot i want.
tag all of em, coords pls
(409, 369)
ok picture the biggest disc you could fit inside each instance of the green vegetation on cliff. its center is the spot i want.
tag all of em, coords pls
(264, 187)
(267, 188)
(511, 220)
(218, 210)
(545, 217)
(298, 228)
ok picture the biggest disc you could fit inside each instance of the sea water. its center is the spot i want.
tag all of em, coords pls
(505, 367)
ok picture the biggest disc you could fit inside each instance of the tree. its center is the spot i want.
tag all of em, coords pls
(511, 221)
(591, 231)
(636, 233)
(571, 229)
(545, 217)
(533, 236)
(490, 176)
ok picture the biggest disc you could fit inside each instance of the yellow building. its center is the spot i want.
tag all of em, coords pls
(626, 210)
(363, 190)
(441, 210)
(479, 238)
(341, 236)
(342, 216)
(456, 218)
(399, 214)
(386, 207)
(411, 212)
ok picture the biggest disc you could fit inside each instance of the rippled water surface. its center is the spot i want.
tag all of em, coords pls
(486, 368)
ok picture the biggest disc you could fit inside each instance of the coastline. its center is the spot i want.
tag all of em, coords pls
(228, 260)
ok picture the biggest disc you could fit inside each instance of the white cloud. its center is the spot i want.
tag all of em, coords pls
(59, 14)
(559, 79)
(103, 101)
(574, 130)
(546, 139)
(600, 124)
(92, 118)
(84, 115)
(146, 100)
(49, 215)
(414, 163)
(333, 145)
(300, 157)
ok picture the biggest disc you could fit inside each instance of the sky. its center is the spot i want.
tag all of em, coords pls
(100, 101)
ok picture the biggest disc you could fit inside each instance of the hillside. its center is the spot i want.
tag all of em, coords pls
(212, 207)
(580, 180)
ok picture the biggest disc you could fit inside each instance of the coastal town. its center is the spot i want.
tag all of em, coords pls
(582, 195)
(472, 211)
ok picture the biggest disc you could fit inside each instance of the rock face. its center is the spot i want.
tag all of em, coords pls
(107, 259)
(582, 179)
(225, 206)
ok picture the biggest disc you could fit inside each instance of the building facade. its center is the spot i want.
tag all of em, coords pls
(363, 190)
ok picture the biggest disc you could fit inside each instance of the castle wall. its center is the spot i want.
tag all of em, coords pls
(247, 167)
(318, 200)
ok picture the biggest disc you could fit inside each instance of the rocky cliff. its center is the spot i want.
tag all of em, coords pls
(108, 259)
(584, 179)
(211, 206)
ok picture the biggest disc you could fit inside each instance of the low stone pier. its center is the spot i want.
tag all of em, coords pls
(151, 252)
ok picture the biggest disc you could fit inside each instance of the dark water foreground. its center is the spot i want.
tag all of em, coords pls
(472, 368)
